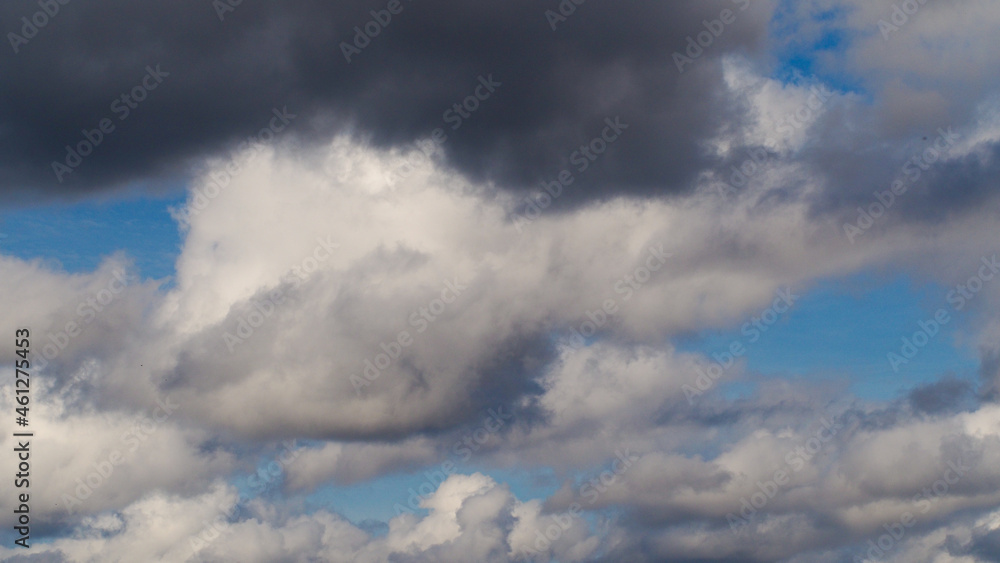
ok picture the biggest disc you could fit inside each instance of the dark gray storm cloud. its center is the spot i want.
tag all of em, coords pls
(945, 395)
(931, 181)
(219, 80)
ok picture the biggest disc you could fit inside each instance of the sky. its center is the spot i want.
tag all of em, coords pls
(501, 281)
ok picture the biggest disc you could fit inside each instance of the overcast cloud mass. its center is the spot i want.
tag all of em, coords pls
(516, 281)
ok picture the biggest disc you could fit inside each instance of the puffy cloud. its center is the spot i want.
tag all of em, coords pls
(470, 517)
(380, 303)
(85, 461)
